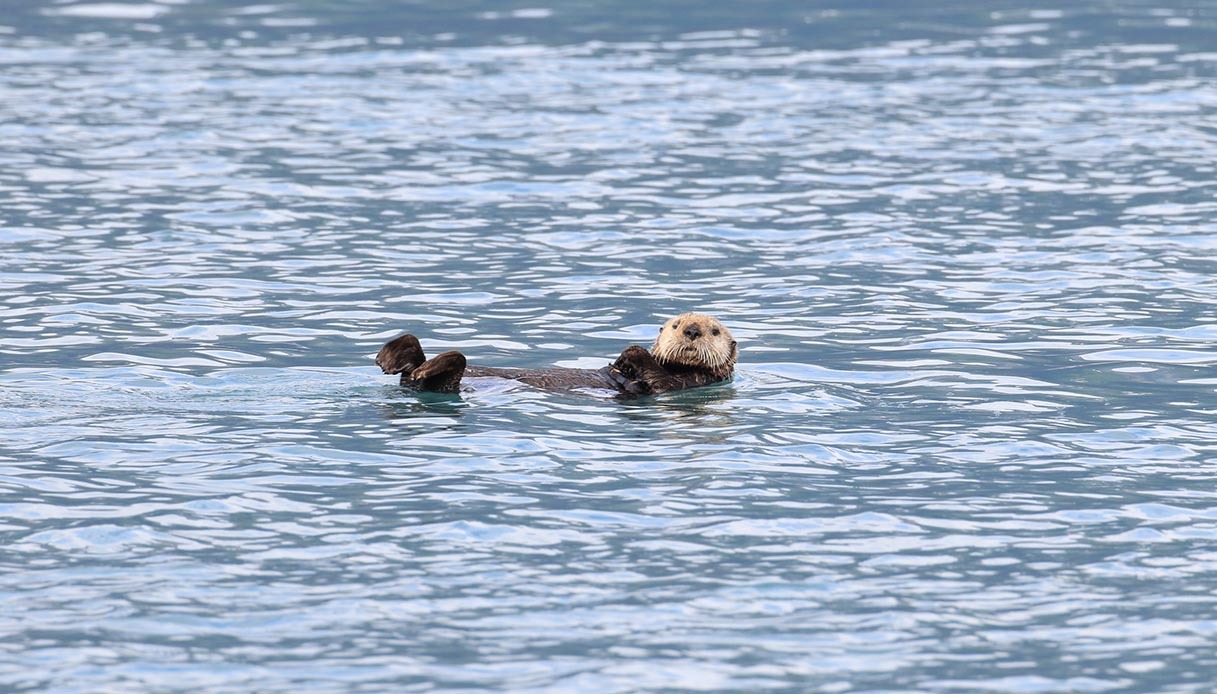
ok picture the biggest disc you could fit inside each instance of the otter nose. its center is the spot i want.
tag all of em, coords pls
(692, 332)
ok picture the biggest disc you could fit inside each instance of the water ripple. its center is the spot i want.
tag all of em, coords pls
(967, 255)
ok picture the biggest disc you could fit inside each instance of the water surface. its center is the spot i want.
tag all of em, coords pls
(968, 252)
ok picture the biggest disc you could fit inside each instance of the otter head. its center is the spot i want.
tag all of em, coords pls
(696, 340)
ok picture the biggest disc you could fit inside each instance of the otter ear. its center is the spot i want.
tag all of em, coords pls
(400, 355)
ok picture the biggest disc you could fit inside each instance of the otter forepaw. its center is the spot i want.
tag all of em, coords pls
(632, 361)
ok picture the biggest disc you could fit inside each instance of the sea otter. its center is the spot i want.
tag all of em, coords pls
(691, 350)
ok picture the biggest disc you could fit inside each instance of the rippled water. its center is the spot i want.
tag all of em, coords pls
(968, 253)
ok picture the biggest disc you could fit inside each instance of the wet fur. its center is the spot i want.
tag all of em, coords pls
(691, 350)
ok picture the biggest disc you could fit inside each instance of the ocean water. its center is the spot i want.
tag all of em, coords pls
(968, 250)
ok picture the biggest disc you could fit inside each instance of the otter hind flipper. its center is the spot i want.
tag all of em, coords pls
(400, 356)
(691, 350)
(440, 374)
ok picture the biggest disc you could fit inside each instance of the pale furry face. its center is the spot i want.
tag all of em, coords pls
(695, 339)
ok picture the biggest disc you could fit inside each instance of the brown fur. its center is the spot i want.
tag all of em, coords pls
(692, 350)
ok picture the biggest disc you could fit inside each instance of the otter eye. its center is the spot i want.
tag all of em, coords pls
(714, 331)
(675, 325)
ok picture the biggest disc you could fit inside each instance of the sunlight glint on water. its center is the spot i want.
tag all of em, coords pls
(968, 254)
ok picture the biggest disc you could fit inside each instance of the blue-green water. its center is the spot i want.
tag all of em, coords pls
(968, 251)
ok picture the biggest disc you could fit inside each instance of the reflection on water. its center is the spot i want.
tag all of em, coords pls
(967, 253)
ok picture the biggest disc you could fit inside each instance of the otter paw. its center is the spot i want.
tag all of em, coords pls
(401, 355)
(444, 363)
(441, 374)
(632, 361)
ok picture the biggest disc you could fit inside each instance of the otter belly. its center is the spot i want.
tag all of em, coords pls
(551, 379)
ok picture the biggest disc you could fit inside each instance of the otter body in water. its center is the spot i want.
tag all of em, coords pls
(692, 350)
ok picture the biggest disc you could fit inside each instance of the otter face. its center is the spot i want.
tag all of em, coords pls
(697, 340)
